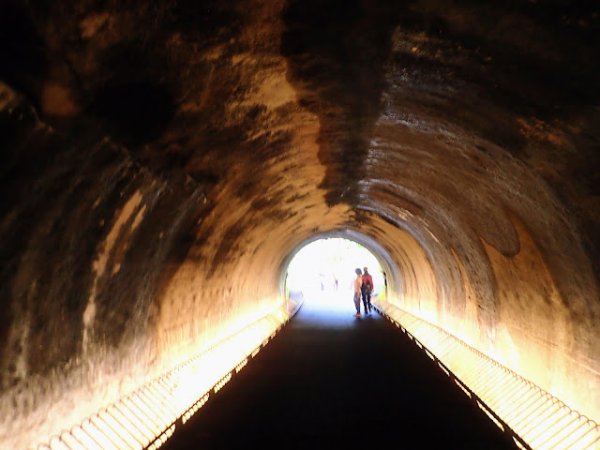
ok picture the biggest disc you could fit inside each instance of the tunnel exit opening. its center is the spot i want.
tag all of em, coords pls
(322, 271)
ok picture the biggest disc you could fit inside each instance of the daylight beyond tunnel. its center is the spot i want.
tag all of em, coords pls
(324, 271)
(161, 161)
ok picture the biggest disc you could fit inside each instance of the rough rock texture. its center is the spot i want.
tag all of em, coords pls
(150, 146)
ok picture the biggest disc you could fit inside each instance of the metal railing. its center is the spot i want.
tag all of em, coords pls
(532, 417)
(149, 416)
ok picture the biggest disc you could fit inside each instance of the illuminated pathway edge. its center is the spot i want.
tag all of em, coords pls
(535, 418)
(148, 417)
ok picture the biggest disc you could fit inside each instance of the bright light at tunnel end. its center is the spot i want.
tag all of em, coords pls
(324, 268)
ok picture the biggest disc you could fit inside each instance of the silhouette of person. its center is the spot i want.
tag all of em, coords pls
(357, 291)
(366, 290)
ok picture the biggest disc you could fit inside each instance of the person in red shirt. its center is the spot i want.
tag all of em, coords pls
(366, 289)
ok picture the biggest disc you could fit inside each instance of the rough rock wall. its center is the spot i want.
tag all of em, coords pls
(473, 128)
(148, 147)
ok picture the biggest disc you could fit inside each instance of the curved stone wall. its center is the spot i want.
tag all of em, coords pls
(162, 160)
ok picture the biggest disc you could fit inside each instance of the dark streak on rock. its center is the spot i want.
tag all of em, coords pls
(336, 52)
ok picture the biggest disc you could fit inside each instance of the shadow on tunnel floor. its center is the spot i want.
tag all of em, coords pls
(329, 380)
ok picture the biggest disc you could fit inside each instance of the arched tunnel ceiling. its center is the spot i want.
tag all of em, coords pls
(149, 145)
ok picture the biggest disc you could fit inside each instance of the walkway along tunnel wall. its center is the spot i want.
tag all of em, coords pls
(160, 163)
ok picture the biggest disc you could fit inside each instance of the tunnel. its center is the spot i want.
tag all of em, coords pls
(162, 162)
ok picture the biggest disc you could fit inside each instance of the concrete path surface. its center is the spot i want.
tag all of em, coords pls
(331, 381)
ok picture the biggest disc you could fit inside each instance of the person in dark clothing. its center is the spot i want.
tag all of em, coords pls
(366, 289)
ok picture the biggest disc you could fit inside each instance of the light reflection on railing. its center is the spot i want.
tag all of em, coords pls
(531, 416)
(149, 416)
(222, 383)
(241, 365)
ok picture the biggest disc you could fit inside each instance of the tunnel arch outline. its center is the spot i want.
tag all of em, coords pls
(391, 269)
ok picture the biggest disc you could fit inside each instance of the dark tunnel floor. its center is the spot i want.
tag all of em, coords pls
(329, 380)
